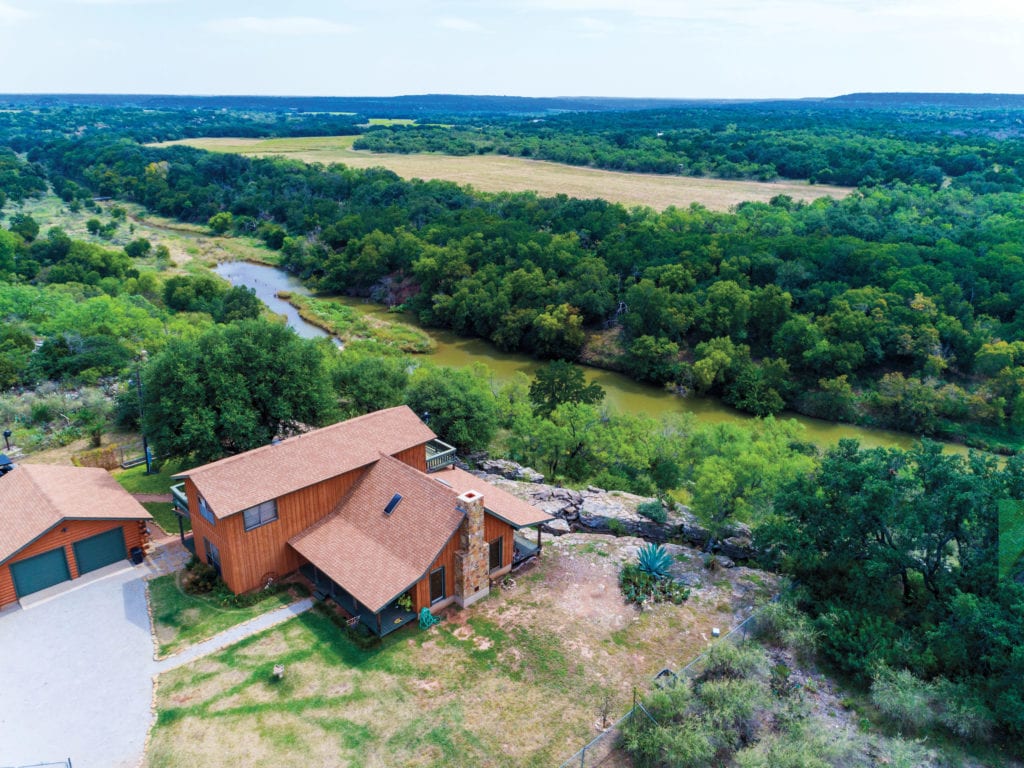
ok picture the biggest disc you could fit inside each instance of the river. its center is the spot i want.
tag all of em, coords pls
(621, 393)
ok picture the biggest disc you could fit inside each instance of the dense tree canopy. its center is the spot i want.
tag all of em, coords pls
(234, 388)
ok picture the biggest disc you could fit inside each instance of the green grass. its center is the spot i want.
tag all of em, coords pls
(348, 324)
(1011, 536)
(163, 513)
(390, 121)
(135, 480)
(339, 704)
(181, 619)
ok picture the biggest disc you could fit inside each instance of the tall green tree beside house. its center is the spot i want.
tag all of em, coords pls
(233, 389)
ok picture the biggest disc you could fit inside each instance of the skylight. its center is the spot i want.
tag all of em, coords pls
(392, 504)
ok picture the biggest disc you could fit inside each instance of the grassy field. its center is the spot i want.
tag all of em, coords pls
(494, 173)
(135, 480)
(191, 246)
(1011, 536)
(180, 620)
(519, 679)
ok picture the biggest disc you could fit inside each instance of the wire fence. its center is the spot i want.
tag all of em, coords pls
(61, 764)
(603, 749)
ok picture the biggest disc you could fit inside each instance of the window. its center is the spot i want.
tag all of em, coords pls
(212, 554)
(497, 548)
(206, 512)
(261, 514)
(437, 585)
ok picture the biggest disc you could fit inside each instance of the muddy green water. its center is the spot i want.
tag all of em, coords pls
(621, 393)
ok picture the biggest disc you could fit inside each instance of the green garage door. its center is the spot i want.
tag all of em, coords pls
(40, 572)
(97, 551)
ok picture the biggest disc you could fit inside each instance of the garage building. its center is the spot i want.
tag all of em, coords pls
(59, 523)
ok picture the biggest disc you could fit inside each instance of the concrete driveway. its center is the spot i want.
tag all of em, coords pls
(76, 673)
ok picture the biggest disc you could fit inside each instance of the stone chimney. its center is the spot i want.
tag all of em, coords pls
(472, 577)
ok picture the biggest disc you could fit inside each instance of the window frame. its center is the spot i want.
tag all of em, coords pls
(500, 541)
(205, 512)
(430, 586)
(261, 511)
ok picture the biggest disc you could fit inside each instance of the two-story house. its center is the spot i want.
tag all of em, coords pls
(369, 509)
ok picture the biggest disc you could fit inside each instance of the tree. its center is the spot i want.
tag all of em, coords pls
(654, 359)
(233, 389)
(220, 222)
(369, 383)
(23, 224)
(459, 403)
(138, 248)
(561, 382)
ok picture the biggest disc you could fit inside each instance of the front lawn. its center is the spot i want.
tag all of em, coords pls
(163, 514)
(180, 619)
(519, 679)
(135, 480)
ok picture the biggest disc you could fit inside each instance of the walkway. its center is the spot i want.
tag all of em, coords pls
(64, 659)
(234, 635)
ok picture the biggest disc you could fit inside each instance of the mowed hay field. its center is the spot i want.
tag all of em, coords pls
(496, 173)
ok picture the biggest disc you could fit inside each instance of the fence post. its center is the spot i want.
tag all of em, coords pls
(583, 757)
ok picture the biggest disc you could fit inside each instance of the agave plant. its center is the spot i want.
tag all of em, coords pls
(653, 559)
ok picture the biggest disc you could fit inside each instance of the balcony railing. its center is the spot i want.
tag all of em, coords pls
(439, 455)
(179, 499)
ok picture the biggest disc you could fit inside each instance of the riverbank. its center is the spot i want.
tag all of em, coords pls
(621, 393)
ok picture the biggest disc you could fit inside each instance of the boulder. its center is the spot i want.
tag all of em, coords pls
(737, 548)
(556, 526)
(724, 562)
(511, 470)
(687, 579)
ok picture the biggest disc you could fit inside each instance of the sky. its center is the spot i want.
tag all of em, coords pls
(631, 48)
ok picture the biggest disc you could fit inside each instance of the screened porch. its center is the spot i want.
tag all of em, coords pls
(386, 621)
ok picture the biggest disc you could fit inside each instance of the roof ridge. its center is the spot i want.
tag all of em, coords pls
(44, 492)
(227, 460)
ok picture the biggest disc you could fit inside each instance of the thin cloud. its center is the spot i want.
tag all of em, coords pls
(459, 25)
(10, 15)
(287, 26)
(594, 28)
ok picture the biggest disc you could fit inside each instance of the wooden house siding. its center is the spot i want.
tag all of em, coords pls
(414, 457)
(65, 534)
(421, 592)
(247, 556)
(493, 528)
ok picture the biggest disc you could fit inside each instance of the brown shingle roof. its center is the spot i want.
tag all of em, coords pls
(374, 556)
(35, 497)
(269, 472)
(499, 503)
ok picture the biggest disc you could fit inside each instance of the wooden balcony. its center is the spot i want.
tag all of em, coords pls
(439, 455)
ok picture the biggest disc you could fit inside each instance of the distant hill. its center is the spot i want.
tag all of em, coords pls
(371, 106)
(971, 100)
(433, 104)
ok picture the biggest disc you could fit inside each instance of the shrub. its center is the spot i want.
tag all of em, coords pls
(728, 661)
(640, 587)
(616, 527)
(653, 510)
(781, 624)
(653, 559)
(962, 712)
(903, 698)
(200, 578)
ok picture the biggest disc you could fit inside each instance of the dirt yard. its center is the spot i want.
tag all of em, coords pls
(518, 679)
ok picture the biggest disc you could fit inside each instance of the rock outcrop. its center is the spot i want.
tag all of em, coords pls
(595, 510)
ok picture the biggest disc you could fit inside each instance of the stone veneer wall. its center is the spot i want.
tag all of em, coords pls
(472, 577)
